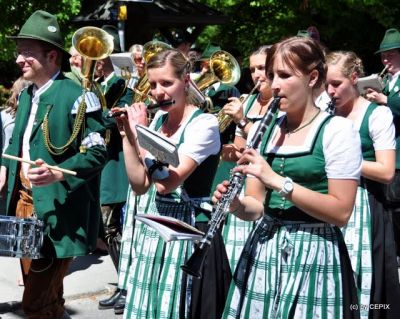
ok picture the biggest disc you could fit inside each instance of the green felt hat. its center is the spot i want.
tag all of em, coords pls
(113, 31)
(390, 41)
(303, 34)
(209, 50)
(43, 26)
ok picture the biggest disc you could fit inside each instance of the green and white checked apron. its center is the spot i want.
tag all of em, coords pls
(288, 270)
(358, 231)
(155, 276)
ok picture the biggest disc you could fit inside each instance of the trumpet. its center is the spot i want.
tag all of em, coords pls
(194, 264)
(224, 120)
(92, 44)
(384, 71)
(151, 107)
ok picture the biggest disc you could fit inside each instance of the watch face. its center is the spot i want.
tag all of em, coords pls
(288, 186)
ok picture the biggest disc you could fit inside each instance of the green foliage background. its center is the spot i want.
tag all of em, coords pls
(13, 14)
(357, 25)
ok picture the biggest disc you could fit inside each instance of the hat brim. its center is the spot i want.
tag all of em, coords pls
(65, 66)
(388, 49)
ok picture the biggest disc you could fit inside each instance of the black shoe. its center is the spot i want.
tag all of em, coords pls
(110, 302)
(120, 304)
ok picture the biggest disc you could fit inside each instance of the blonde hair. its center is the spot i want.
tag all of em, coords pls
(174, 57)
(16, 89)
(349, 61)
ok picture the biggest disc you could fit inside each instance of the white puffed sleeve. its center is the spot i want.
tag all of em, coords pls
(342, 149)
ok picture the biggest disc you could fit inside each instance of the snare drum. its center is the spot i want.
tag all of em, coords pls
(20, 237)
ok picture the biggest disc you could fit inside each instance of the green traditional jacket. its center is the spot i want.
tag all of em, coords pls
(70, 209)
(114, 180)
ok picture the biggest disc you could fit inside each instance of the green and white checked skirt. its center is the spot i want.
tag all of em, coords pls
(127, 251)
(154, 279)
(288, 270)
(358, 238)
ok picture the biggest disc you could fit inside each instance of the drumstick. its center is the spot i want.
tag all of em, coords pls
(56, 168)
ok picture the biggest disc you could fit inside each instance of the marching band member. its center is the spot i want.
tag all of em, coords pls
(54, 127)
(155, 285)
(363, 234)
(302, 183)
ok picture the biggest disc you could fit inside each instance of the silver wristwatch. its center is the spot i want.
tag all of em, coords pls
(287, 187)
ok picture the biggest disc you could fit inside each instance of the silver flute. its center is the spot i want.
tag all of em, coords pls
(194, 264)
(149, 107)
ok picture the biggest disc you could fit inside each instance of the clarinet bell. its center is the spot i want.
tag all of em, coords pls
(194, 264)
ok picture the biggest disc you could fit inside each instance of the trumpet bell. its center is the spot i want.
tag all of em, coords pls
(93, 43)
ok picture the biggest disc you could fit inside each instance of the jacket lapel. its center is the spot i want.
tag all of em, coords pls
(44, 107)
(40, 114)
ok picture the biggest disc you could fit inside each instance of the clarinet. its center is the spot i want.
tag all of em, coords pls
(194, 264)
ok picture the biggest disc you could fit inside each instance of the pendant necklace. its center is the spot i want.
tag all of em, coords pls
(290, 132)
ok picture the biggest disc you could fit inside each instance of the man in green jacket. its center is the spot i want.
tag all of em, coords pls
(389, 51)
(57, 124)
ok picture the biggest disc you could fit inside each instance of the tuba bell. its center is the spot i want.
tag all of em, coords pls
(92, 44)
(223, 68)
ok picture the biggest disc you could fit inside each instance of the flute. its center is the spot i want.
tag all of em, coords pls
(153, 106)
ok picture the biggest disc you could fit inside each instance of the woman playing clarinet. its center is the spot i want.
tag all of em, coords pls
(302, 182)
